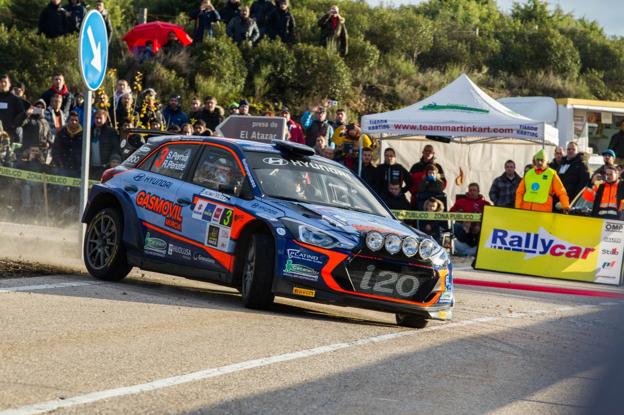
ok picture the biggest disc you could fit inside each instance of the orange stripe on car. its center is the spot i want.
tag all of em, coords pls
(336, 258)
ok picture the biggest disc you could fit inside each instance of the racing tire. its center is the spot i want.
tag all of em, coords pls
(103, 250)
(257, 277)
(414, 321)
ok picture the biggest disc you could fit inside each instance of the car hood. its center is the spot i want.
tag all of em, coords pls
(342, 220)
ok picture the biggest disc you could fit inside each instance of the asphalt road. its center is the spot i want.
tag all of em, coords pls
(158, 344)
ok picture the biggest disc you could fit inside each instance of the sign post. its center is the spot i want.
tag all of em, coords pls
(252, 128)
(93, 59)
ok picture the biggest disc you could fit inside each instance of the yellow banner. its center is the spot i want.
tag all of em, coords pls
(422, 215)
(32, 176)
(550, 245)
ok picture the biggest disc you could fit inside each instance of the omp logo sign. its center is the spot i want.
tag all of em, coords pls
(535, 244)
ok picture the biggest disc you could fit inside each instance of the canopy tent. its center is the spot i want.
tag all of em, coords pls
(464, 113)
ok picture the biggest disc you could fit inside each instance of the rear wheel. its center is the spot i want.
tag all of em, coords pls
(104, 252)
(257, 277)
(411, 320)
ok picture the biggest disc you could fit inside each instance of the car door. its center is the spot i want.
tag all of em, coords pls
(215, 218)
(153, 189)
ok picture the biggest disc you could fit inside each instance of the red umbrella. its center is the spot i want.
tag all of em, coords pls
(158, 32)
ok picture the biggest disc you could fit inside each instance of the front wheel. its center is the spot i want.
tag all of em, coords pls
(104, 252)
(257, 277)
(414, 321)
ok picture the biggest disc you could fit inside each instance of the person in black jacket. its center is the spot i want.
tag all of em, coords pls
(53, 20)
(204, 17)
(67, 150)
(617, 144)
(230, 11)
(370, 172)
(334, 31)
(281, 23)
(104, 144)
(59, 87)
(260, 12)
(394, 198)
(392, 172)
(212, 114)
(573, 171)
(76, 11)
(12, 112)
(99, 6)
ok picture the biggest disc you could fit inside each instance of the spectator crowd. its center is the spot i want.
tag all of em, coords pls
(45, 134)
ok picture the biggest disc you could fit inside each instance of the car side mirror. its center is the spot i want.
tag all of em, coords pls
(246, 193)
(226, 188)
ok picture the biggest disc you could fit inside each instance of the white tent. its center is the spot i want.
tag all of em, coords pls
(462, 112)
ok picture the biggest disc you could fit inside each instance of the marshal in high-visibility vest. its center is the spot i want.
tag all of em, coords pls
(536, 189)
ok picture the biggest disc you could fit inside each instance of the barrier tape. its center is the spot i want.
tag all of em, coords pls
(458, 216)
(32, 176)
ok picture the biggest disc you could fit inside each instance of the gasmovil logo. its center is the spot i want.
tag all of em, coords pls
(536, 244)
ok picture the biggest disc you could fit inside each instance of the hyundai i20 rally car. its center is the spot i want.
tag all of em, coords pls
(267, 219)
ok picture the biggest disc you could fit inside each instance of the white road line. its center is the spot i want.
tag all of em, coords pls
(55, 404)
(47, 286)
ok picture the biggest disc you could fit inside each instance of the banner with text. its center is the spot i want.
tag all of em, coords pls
(551, 245)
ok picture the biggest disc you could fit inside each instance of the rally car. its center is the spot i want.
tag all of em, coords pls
(268, 219)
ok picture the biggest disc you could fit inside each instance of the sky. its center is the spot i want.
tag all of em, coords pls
(605, 12)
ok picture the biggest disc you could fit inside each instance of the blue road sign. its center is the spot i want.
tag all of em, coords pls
(93, 50)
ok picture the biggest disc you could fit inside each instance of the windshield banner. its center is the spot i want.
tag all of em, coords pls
(551, 245)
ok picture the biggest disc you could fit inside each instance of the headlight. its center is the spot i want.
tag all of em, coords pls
(440, 258)
(426, 249)
(409, 246)
(310, 235)
(374, 241)
(392, 243)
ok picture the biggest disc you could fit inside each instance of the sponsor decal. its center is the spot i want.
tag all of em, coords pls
(264, 208)
(614, 227)
(536, 244)
(179, 250)
(610, 251)
(446, 297)
(303, 256)
(388, 283)
(171, 211)
(612, 240)
(305, 292)
(154, 245)
(203, 210)
(609, 265)
(300, 271)
(212, 236)
(277, 161)
(213, 194)
(249, 174)
(154, 181)
(173, 159)
(203, 259)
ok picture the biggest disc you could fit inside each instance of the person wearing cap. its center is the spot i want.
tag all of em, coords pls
(295, 132)
(539, 185)
(173, 114)
(617, 144)
(608, 156)
(281, 23)
(609, 199)
(243, 107)
(233, 108)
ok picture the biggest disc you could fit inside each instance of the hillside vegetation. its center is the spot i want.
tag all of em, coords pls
(396, 55)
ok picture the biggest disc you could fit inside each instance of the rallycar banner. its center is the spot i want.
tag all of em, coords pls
(551, 245)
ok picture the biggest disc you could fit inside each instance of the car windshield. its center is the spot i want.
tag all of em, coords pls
(312, 181)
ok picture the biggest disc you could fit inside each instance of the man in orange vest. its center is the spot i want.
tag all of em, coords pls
(609, 199)
(535, 191)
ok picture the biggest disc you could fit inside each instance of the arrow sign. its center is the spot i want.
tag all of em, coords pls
(253, 128)
(93, 50)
